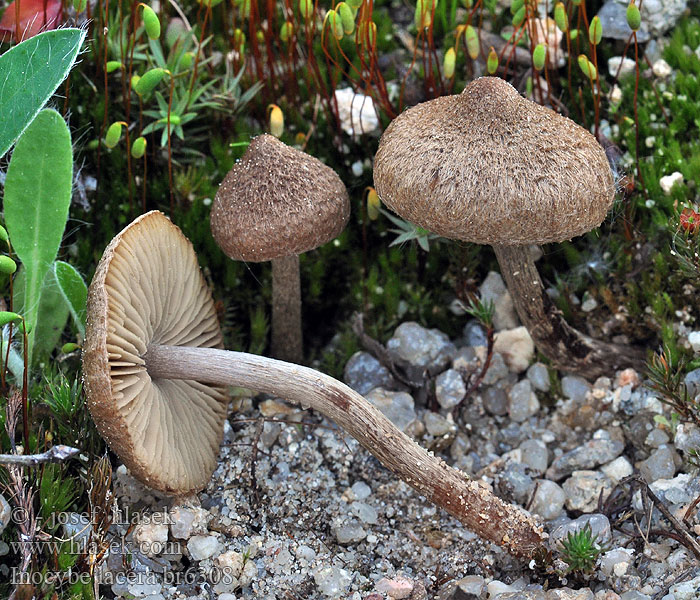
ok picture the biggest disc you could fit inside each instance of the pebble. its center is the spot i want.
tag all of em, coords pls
(523, 401)
(495, 400)
(661, 68)
(692, 383)
(628, 66)
(549, 499)
(668, 181)
(616, 561)
(348, 531)
(591, 454)
(566, 593)
(421, 347)
(5, 513)
(76, 526)
(688, 590)
(687, 437)
(493, 289)
(694, 340)
(516, 347)
(515, 483)
(662, 464)
(151, 537)
(662, 15)
(396, 587)
(363, 373)
(583, 489)
(618, 469)
(538, 374)
(497, 370)
(474, 333)
(356, 112)
(332, 581)
(438, 426)
(398, 407)
(364, 512)
(185, 521)
(575, 388)
(449, 389)
(202, 547)
(471, 587)
(360, 490)
(682, 489)
(535, 456)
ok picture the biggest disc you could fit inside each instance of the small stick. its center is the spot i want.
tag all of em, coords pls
(55, 454)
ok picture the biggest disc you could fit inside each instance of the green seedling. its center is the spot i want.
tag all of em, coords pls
(580, 550)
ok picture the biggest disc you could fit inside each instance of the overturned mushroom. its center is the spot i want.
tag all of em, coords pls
(142, 344)
(275, 204)
(490, 167)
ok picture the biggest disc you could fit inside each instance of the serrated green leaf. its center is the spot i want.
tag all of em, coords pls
(74, 290)
(37, 198)
(31, 72)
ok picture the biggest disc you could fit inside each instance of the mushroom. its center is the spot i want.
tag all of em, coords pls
(274, 204)
(488, 166)
(152, 351)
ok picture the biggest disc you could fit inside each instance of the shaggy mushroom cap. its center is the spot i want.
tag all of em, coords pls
(277, 201)
(148, 289)
(490, 167)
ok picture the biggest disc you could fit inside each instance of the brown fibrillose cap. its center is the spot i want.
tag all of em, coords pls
(490, 167)
(277, 201)
(148, 289)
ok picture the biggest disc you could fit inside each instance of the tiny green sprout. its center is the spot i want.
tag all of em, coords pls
(573, 34)
(112, 65)
(448, 65)
(238, 38)
(516, 5)
(492, 61)
(519, 16)
(149, 80)
(634, 17)
(150, 22)
(482, 311)
(3, 235)
(580, 550)
(468, 4)
(560, 17)
(422, 17)
(346, 17)
(286, 31)
(174, 119)
(8, 317)
(306, 8)
(185, 61)
(69, 347)
(595, 31)
(586, 66)
(472, 40)
(7, 265)
(539, 55)
(138, 148)
(79, 5)
(114, 134)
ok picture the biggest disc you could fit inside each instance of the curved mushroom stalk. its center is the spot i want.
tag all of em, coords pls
(154, 374)
(567, 348)
(465, 499)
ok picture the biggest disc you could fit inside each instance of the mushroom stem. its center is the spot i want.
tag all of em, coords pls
(286, 309)
(567, 348)
(465, 499)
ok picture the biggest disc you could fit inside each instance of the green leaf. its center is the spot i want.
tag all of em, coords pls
(37, 198)
(7, 317)
(74, 291)
(52, 315)
(31, 72)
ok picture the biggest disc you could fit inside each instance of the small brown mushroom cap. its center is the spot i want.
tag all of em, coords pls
(490, 167)
(277, 201)
(148, 289)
